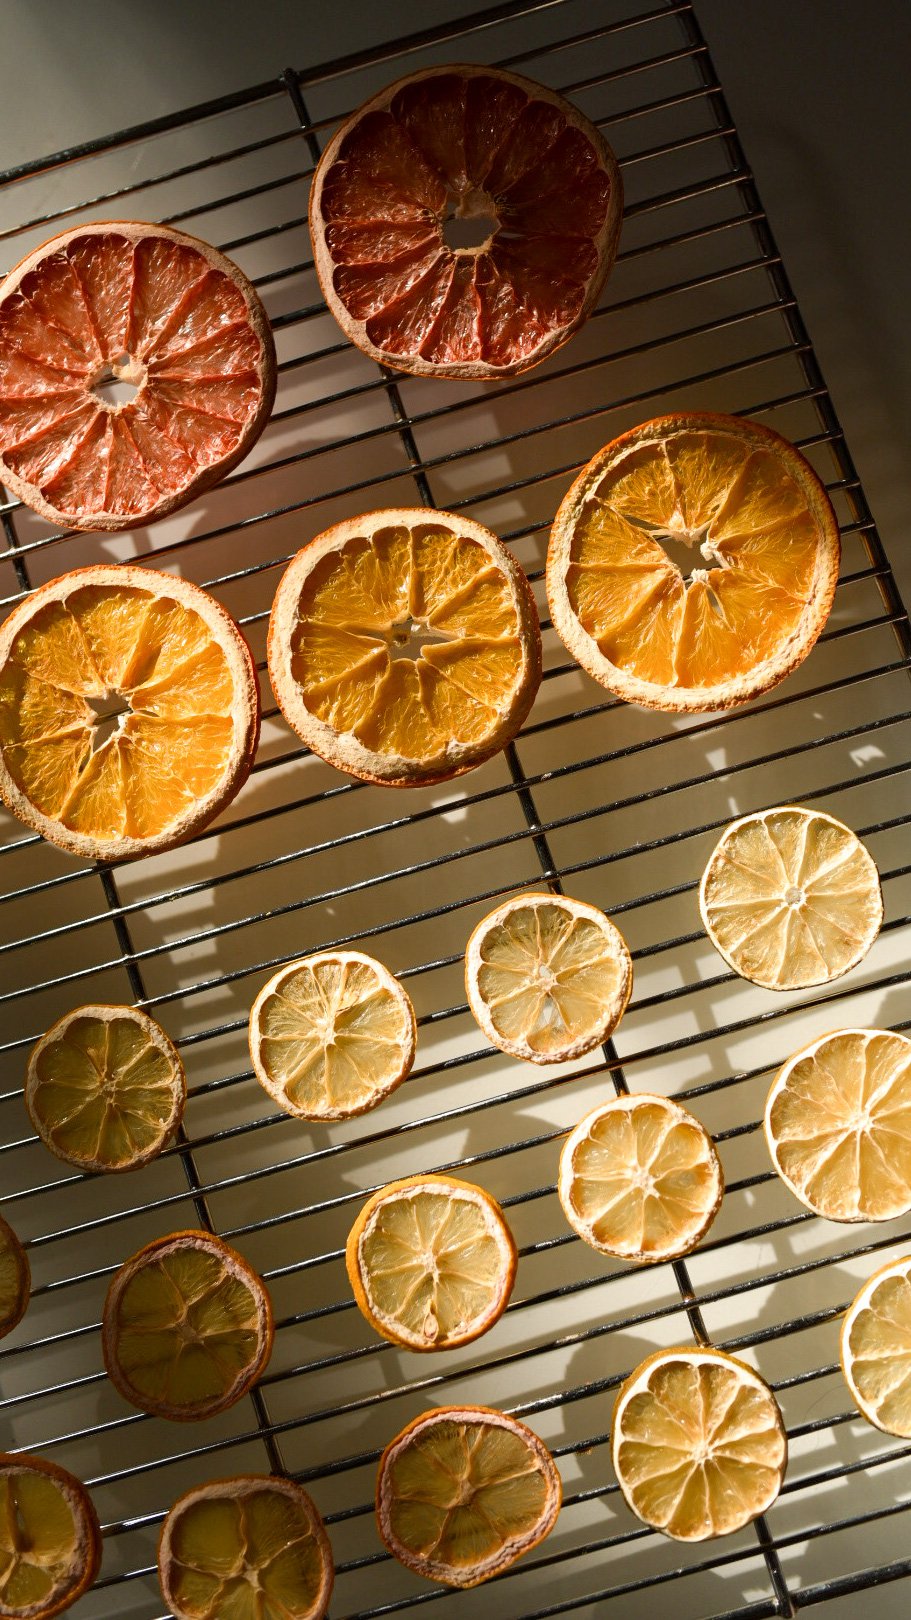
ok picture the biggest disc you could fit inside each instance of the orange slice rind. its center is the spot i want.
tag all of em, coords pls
(876, 1348)
(50, 1538)
(15, 1279)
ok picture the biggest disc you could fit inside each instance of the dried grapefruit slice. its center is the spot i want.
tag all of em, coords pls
(129, 711)
(442, 156)
(105, 1088)
(431, 1261)
(15, 1279)
(463, 1492)
(640, 1179)
(187, 1327)
(404, 646)
(252, 1548)
(876, 1348)
(547, 978)
(167, 317)
(50, 1538)
(727, 493)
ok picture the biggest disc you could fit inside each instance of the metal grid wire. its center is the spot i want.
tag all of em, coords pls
(619, 806)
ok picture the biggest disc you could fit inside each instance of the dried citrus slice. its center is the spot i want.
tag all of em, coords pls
(187, 1327)
(129, 711)
(331, 1035)
(698, 1443)
(463, 222)
(791, 898)
(463, 1492)
(404, 646)
(626, 596)
(250, 1548)
(838, 1125)
(105, 1088)
(50, 1538)
(431, 1261)
(547, 978)
(876, 1348)
(164, 323)
(15, 1279)
(640, 1179)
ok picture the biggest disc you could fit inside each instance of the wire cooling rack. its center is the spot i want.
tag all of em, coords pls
(618, 805)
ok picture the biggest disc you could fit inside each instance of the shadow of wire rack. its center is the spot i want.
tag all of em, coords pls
(619, 805)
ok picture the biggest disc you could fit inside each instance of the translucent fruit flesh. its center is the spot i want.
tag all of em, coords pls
(15, 1281)
(876, 1349)
(251, 1555)
(42, 1553)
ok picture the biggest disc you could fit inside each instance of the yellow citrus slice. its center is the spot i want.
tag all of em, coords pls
(404, 646)
(693, 563)
(838, 1125)
(790, 898)
(698, 1443)
(547, 978)
(129, 711)
(876, 1348)
(640, 1179)
(15, 1279)
(463, 1492)
(187, 1327)
(250, 1548)
(431, 1261)
(332, 1035)
(50, 1538)
(105, 1088)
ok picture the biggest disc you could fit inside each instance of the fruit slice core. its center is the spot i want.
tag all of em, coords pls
(43, 1551)
(256, 1552)
(876, 1349)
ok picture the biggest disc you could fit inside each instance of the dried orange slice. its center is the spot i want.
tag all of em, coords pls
(129, 711)
(431, 1261)
(15, 1279)
(838, 1125)
(698, 1443)
(252, 1548)
(404, 646)
(187, 1327)
(161, 321)
(640, 1179)
(50, 1538)
(547, 978)
(463, 222)
(463, 1492)
(105, 1088)
(693, 563)
(332, 1035)
(790, 898)
(876, 1348)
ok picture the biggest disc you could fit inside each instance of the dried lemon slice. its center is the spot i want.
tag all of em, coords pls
(698, 1444)
(876, 1348)
(50, 1538)
(640, 1179)
(332, 1035)
(431, 1261)
(187, 1327)
(105, 1088)
(15, 1279)
(463, 1492)
(547, 978)
(253, 1548)
(838, 1125)
(791, 898)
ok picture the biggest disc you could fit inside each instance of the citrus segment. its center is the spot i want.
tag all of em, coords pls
(187, 1327)
(129, 711)
(431, 1261)
(50, 1539)
(463, 1492)
(332, 1035)
(791, 898)
(105, 1088)
(404, 646)
(876, 1348)
(693, 563)
(698, 1443)
(15, 1279)
(251, 1548)
(171, 321)
(547, 978)
(640, 1179)
(838, 1125)
(463, 222)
